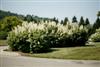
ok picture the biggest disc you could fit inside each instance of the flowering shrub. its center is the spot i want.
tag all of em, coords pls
(32, 37)
(96, 36)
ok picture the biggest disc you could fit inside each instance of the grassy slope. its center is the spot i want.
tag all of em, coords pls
(91, 52)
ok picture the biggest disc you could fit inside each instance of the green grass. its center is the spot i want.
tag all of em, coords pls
(3, 42)
(89, 52)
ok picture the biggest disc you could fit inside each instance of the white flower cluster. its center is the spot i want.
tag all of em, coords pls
(96, 36)
(70, 28)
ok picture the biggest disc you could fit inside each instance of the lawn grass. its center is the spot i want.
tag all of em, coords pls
(3, 42)
(88, 52)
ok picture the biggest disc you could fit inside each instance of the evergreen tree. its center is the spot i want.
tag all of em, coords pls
(98, 14)
(62, 22)
(87, 21)
(65, 21)
(97, 24)
(74, 19)
(81, 21)
(56, 20)
(29, 18)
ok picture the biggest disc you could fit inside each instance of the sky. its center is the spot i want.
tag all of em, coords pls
(54, 8)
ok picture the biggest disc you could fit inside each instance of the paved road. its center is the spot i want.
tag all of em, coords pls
(15, 60)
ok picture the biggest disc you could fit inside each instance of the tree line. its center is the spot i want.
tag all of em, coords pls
(8, 20)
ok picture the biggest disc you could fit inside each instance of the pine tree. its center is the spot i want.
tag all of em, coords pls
(81, 21)
(87, 21)
(55, 20)
(62, 22)
(97, 24)
(98, 14)
(29, 18)
(65, 21)
(74, 19)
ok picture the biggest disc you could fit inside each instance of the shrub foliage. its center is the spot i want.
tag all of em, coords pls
(96, 36)
(34, 38)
